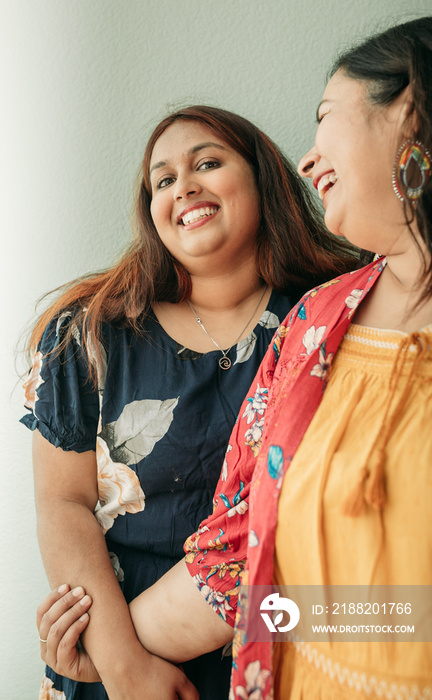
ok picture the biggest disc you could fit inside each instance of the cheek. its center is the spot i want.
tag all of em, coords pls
(157, 212)
(247, 200)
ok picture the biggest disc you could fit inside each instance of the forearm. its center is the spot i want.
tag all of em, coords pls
(173, 620)
(74, 551)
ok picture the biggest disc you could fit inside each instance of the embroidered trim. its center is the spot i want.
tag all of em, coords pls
(374, 343)
(360, 681)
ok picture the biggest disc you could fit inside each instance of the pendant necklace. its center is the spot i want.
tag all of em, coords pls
(224, 361)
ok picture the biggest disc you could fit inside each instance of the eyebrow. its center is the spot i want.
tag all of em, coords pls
(191, 151)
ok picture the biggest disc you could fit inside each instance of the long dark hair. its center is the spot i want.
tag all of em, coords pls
(294, 250)
(388, 63)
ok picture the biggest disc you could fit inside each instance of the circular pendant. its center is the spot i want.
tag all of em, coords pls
(224, 362)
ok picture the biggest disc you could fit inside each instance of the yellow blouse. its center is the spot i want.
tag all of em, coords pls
(379, 398)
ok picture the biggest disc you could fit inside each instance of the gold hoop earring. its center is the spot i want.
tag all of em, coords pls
(412, 156)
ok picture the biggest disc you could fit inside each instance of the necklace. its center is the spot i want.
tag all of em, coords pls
(224, 361)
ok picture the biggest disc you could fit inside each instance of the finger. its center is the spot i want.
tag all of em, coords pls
(61, 606)
(50, 599)
(67, 627)
(63, 649)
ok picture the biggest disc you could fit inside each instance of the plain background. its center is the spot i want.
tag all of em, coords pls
(84, 82)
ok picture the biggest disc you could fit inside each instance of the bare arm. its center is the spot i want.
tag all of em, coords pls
(173, 620)
(73, 549)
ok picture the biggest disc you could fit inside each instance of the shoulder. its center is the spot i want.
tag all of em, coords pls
(68, 348)
(278, 307)
(324, 308)
(60, 394)
(61, 333)
(281, 301)
(70, 329)
(344, 291)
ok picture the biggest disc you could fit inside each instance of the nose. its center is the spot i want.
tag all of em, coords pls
(307, 163)
(185, 186)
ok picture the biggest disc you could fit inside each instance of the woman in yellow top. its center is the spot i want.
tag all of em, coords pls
(339, 416)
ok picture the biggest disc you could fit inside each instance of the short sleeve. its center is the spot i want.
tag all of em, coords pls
(61, 398)
(217, 552)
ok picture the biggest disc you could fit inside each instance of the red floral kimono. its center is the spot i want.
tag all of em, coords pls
(235, 546)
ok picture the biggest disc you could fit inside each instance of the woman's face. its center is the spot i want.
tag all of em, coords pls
(351, 165)
(205, 203)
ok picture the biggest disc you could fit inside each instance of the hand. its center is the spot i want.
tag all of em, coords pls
(154, 679)
(62, 617)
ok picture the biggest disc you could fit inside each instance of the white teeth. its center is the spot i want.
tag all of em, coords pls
(191, 216)
(325, 183)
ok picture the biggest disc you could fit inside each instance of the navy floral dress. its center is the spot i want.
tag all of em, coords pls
(159, 421)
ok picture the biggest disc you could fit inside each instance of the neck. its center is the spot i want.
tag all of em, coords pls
(226, 291)
(396, 300)
(407, 264)
(229, 305)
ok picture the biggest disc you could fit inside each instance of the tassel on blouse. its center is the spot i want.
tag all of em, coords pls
(375, 491)
(370, 487)
(353, 506)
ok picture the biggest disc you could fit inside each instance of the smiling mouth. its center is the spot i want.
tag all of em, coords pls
(325, 183)
(196, 214)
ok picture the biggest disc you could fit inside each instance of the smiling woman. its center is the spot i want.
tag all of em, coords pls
(194, 172)
(352, 161)
(138, 376)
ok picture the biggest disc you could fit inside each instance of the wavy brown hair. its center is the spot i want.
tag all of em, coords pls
(294, 250)
(388, 63)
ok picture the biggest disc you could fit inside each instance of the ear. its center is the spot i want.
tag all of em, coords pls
(408, 117)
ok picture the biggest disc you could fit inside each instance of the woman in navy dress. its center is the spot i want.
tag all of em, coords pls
(139, 373)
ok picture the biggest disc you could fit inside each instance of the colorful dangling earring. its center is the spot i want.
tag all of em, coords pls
(412, 154)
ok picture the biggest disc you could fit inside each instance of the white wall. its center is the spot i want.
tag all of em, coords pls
(85, 80)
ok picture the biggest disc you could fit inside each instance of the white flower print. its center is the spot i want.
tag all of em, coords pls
(119, 489)
(246, 346)
(139, 427)
(254, 433)
(320, 370)
(354, 298)
(203, 529)
(48, 692)
(256, 405)
(33, 381)
(269, 320)
(253, 539)
(240, 508)
(217, 601)
(74, 330)
(116, 566)
(312, 338)
(256, 680)
(224, 472)
(98, 358)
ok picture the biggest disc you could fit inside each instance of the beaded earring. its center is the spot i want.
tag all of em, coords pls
(414, 156)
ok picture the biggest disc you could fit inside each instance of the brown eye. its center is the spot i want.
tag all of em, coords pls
(208, 165)
(164, 182)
